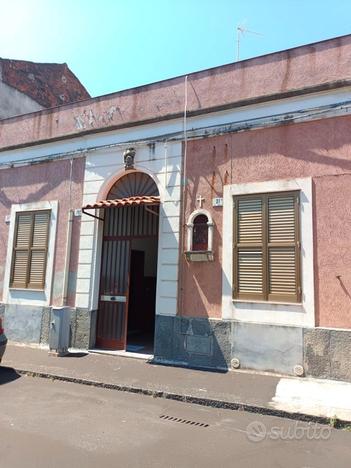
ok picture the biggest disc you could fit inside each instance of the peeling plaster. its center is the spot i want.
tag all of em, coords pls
(89, 118)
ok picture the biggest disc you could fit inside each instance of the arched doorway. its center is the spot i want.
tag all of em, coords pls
(126, 312)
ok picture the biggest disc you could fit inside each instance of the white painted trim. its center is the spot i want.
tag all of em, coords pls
(265, 312)
(98, 234)
(190, 226)
(200, 211)
(139, 168)
(101, 170)
(27, 296)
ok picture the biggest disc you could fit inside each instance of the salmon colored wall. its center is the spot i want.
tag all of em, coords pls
(45, 182)
(319, 149)
(323, 64)
(332, 233)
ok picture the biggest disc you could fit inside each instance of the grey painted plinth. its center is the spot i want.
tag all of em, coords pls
(267, 347)
(327, 353)
(194, 342)
(31, 324)
(211, 344)
(204, 343)
(23, 323)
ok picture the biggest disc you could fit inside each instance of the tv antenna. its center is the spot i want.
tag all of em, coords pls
(240, 31)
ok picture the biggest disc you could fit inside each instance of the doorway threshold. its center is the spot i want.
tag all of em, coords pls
(122, 353)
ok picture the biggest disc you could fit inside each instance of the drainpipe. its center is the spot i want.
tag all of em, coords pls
(68, 239)
(180, 301)
(67, 258)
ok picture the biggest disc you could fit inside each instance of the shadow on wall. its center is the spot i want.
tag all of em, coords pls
(196, 341)
(343, 286)
(44, 182)
(207, 179)
(38, 181)
(192, 342)
(321, 147)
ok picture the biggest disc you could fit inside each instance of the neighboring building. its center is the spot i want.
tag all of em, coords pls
(217, 237)
(28, 87)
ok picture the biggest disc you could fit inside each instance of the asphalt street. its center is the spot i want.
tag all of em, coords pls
(49, 424)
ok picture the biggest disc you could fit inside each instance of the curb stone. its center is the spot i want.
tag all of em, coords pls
(209, 402)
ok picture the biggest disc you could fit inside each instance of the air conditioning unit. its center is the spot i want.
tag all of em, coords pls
(59, 331)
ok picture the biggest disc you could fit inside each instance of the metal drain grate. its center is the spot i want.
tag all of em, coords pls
(183, 421)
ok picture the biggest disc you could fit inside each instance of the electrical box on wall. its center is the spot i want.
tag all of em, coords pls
(59, 330)
(218, 201)
(7, 219)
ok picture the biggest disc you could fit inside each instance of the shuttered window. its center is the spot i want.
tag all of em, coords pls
(30, 250)
(267, 247)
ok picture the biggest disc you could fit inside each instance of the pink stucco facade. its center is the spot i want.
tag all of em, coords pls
(49, 181)
(282, 116)
(318, 66)
(319, 149)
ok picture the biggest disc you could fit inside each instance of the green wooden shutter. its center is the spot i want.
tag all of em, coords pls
(267, 247)
(248, 248)
(283, 248)
(20, 258)
(37, 269)
(30, 250)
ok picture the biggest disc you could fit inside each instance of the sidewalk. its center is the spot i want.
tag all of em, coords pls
(297, 398)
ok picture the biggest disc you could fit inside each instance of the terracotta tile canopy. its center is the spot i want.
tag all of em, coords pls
(129, 201)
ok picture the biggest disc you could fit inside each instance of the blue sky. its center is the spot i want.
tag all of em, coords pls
(117, 44)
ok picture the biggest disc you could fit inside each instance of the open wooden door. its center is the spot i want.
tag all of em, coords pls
(113, 300)
(126, 217)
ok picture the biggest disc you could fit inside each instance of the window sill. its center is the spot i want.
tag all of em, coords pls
(248, 301)
(26, 289)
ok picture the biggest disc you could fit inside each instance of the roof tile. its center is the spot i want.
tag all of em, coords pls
(49, 84)
(129, 201)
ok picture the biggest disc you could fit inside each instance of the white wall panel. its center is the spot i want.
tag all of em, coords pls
(84, 271)
(86, 242)
(168, 256)
(82, 300)
(85, 256)
(89, 198)
(87, 226)
(83, 285)
(170, 224)
(170, 240)
(168, 288)
(168, 272)
(171, 208)
(166, 306)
